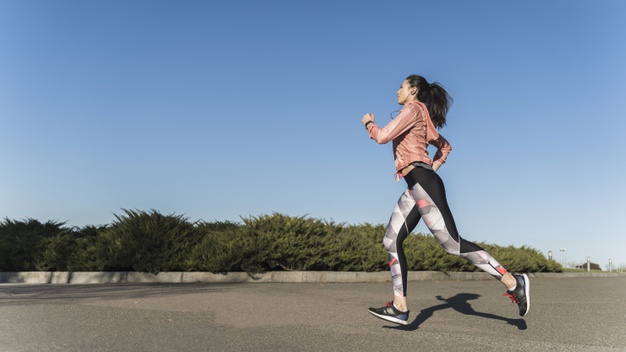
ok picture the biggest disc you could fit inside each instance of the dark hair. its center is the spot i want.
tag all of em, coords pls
(434, 96)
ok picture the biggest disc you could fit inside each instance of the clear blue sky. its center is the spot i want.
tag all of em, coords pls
(218, 110)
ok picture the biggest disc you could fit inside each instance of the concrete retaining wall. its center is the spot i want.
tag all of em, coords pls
(63, 277)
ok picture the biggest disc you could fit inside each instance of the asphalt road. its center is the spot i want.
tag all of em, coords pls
(578, 314)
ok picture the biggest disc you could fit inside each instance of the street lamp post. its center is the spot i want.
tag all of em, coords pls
(588, 264)
(562, 250)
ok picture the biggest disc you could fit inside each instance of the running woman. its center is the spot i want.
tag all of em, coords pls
(415, 127)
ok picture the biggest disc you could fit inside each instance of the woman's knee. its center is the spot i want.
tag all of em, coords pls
(389, 244)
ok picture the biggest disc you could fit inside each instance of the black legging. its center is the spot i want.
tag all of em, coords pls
(425, 198)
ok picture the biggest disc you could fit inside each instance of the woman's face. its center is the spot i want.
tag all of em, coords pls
(406, 93)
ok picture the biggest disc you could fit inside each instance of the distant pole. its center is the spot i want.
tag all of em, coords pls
(588, 264)
(550, 255)
(562, 250)
(610, 269)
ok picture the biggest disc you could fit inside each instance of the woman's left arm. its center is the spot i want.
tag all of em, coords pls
(443, 149)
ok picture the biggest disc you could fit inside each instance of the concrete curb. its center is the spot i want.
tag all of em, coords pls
(64, 277)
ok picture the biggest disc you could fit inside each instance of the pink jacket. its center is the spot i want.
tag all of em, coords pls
(412, 131)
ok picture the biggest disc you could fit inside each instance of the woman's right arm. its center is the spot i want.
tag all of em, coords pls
(403, 122)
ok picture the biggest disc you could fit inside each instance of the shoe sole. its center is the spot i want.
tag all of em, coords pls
(388, 318)
(527, 293)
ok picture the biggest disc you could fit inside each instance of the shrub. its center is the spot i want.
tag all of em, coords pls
(148, 241)
(21, 242)
(356, 248)
(282, 242)
(72, 250)
(153, 242)
(219, 250)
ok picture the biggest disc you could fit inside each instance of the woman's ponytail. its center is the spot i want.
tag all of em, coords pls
(440, 102)
(434, 96)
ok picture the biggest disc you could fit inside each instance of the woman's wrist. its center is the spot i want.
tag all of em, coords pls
(367, 124)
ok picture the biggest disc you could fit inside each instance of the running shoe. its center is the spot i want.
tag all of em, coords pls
(390, 313)
(521, 294)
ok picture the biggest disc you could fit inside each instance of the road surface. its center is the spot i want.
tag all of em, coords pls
(569, 314)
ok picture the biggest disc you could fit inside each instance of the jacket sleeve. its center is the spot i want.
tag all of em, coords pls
(402, 123)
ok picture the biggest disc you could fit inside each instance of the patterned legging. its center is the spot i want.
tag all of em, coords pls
(425, 198)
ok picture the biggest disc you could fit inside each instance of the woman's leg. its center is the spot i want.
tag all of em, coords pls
(403, 220)
(430, 196)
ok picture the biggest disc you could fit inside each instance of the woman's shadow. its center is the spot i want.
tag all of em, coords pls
(460, 303)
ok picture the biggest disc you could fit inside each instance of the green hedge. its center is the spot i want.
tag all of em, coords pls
(153, 242)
